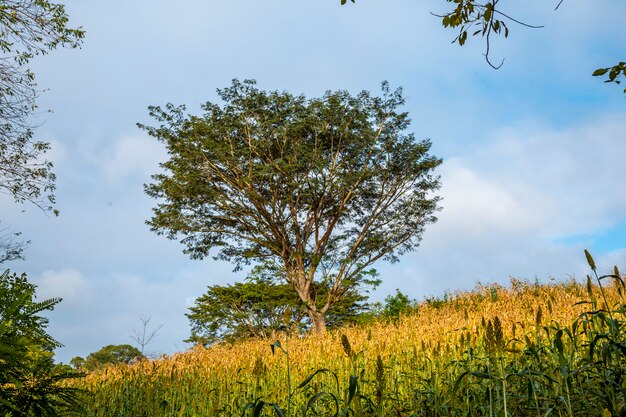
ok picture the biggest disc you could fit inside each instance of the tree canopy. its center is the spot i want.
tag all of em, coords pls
(27, 28)
(323, 187)
(109, 355)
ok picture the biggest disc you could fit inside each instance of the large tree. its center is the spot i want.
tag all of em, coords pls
(27, 28)
(325, 186)
(487, 18)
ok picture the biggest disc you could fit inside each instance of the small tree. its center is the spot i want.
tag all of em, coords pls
(242, 310)
(77, 362)
(256, 308)
(112, 355)
(325, 187)
(396, 304)
(144, 336)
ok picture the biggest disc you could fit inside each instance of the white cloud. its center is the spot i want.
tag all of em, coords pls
(475, 204)
(510, 204)
(104, 308)
(137, 155)
(545, 182)
(67, 283)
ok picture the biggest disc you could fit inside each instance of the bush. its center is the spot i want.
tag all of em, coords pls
(28, 376)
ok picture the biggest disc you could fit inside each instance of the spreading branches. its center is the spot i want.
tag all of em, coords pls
(144, 336)
(487, 19)
(491, 20)
(11, 248)
(27, 28)
(324, 187)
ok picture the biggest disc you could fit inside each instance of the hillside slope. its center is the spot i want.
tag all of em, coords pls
(527, 349)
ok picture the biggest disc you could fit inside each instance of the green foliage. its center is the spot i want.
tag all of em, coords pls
(29, 380)
(111, 355)
(322, 187)
(614, 73)
(396, 304)
(77, 362)
(257, 308)
(27, 28)
(251, 309)
(479, 18)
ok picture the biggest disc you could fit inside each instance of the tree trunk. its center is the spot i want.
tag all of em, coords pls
(296, 277)
(319, 322)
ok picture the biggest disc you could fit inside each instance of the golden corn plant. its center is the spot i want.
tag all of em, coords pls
(528, 349)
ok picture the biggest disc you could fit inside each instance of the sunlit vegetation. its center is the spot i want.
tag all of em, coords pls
(525, 349)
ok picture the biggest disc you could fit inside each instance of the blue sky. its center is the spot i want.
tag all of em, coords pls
(533, 153)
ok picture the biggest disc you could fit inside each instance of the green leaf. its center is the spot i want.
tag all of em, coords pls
(484, 375)
(352, 387)
(310, 377)
(319, 395)
(314, 399)
(558, 342)
(258, 408)
(246, 408)
(278, 411)
(463, 38)
(600, 71)
(488, 14)
(457, 383)
(531, 372)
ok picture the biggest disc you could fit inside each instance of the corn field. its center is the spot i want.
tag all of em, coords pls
(528, 349)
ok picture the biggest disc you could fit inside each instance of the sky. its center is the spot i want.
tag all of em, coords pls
(534, 152)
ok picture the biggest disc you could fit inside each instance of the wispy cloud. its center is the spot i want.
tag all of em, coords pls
(135, 156)
(509, 205)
